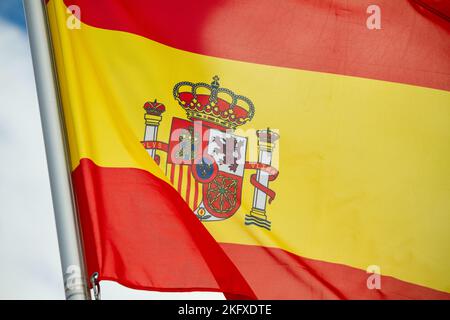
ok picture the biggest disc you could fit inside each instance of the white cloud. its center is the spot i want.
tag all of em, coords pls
(29, 258)
(29, 265)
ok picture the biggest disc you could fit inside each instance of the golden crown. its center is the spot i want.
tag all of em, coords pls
(211, 103)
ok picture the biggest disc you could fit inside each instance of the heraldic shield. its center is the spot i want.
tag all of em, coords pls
(216, 165)
(206, 159)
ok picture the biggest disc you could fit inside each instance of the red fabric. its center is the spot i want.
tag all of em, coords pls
(276, 274)
(138, 231)
(439, 7)
(320, 35)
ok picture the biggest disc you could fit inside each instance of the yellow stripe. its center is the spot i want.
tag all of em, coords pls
(364, 164)
(184, 183)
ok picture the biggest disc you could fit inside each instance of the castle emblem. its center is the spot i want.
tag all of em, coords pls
(205, 159)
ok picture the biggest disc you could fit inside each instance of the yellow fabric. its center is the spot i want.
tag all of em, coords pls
(364, 164)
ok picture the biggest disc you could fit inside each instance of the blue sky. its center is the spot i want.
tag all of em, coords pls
(11, 11)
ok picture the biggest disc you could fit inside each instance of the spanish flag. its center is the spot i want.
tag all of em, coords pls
(266, 149)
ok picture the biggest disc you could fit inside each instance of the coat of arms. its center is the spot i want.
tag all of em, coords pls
(206, 160)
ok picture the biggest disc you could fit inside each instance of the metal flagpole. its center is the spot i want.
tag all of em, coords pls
(70, 249)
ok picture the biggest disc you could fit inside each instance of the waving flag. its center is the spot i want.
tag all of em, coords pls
(281, 144)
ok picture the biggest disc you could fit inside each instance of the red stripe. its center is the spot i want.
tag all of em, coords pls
(188, 188)
(180, 177)
(276, 274)
(172, 173)
(137, 230)
(327, 35)
(196, 195)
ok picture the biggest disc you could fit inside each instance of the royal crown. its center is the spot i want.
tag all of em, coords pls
(211, 103)
(154, 108)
